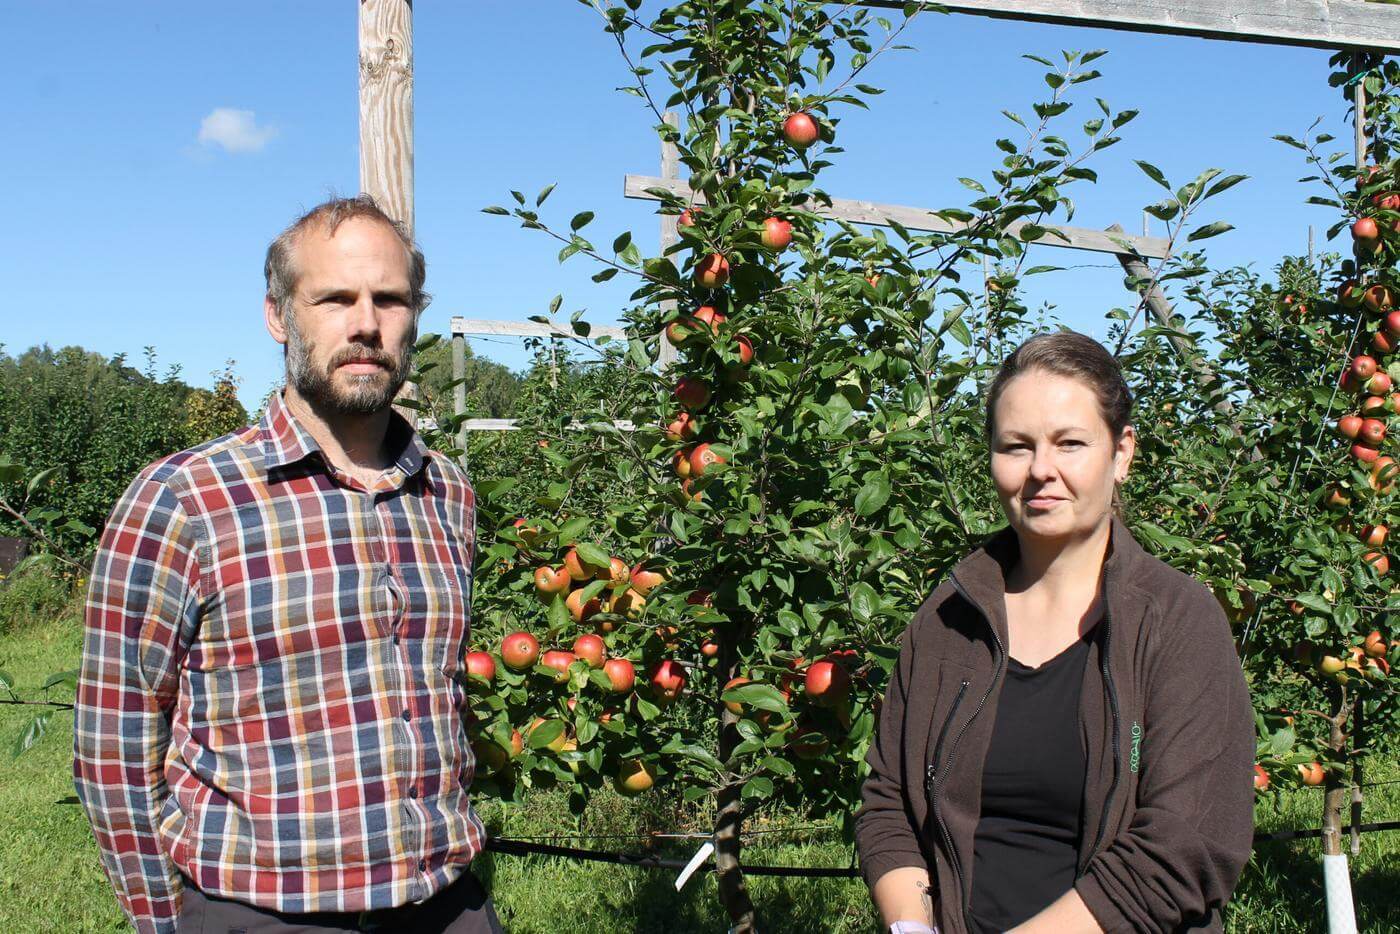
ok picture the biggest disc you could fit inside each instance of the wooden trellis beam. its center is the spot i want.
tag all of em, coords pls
(1319, 24)
(880, 215)
(485, 327)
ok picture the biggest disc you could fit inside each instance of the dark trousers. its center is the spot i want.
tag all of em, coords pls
(461, 908)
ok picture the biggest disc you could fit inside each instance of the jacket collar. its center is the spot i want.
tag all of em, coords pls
(285, 441)
(981, 576)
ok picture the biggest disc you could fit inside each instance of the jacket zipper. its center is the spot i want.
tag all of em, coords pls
(936, 777)
(1113, 709)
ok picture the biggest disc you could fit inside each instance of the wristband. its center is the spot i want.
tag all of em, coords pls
(912, 927)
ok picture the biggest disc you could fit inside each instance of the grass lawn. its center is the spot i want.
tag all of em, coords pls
(50, 879)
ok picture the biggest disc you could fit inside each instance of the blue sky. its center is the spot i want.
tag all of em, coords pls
(126, 229)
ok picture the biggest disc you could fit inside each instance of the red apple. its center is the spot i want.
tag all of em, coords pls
(618, 571)
(644, 581)
(1364, 453)
(1349, 426)
(1378, 299)
(667, 681)
(745, 350)
(1383, 471)
(591, 649)
(1392, 323)
(680, 463)
(827, 683)
(621, 674)
(1312, 773)
(1365, 231)
(1337, 499)
(681, 331)
(709, 648)
(700, 598)
(1377, 561)
(1363, 367)
(582, 610)
(482, 665)
(634, 777)
(734, 707)
(777, 233)
(712, 272)
(550, 581)
(1373, 535)
(1374, 406)
(1383, 342)
(1379, 383)
(800, 129)
(1348, 294)
(1261, 778)
(687, 218)
(628, 603)
(560, 661)
(581, 570)
(702, 457)
(519, 651)
(1372, 431)
(692, 392)
(1387, 200)
(682, 427)
(708, 314)
(1375, 645)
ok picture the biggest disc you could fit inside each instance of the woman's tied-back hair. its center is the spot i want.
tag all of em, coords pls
(280, 268)
(1074, 356)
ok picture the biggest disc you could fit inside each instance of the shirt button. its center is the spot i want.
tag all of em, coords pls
(413, 792)
(396, 638)
(422, 865)
(407, 716)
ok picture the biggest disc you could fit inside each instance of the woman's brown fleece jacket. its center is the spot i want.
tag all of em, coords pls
(1167, 727)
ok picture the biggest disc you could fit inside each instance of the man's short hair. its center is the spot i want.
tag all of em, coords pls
(279, 269)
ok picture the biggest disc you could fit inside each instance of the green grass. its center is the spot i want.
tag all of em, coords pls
(50, 879)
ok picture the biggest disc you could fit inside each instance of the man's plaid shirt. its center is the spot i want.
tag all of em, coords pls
(269, 699)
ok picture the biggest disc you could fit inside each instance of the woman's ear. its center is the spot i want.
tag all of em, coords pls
(1123, 454)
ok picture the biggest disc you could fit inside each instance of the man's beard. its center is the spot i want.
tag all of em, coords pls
(367, 394)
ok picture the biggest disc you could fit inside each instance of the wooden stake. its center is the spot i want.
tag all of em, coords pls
(671, 171)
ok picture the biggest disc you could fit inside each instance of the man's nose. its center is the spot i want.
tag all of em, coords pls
(362, 323)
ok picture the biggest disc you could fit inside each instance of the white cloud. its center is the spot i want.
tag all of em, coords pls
(234, 130)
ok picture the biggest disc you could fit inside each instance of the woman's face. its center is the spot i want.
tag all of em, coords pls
(1055, 461)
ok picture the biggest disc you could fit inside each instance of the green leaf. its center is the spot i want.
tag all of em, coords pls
(1209, 230)
(580, 220)
(762, 696)
(865, 602)
(495, 209)
(544, 193)
(592, 554)
(757, 787)
(33, 733)
(6, 681)
(1153, 173)
(572, 529)
(62, 677)
(546, 733)
(873, 495)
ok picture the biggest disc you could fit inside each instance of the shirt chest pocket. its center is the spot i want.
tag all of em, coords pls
(436, 617)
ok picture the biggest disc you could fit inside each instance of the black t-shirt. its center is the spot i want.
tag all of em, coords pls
(1027, 840)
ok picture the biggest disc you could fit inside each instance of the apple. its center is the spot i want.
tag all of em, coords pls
(550, 581)
(519, 650)
(628, 603)
(667, 681)
(1364, 231)
(618, 571)
(735, 707)
(1378, 299)
(1372, 431)
(1383, 342)
(800, 129)
(1364, 454)
(1261, 778)
(709, 648)
(1349, 426)
(680, 463)
(1312, 773)
(482, 665)
(1347, 294)
(1379, 562)
(700, 598)
(692, 392)
(682, 427)
(687, 218)
(1379, 383)
(745, 350)
(1383, 472)
(702, 458)
(622, 675)
(1348, 383)
(708, 314)
(1392, 323)
(808, 749)
(634, 777)
(827, 684)
(1373, 535)
(712, 272)
(644, 581)
(560, 661)
(1330, 664)
(582, 610)
(1377, 669)
(1374, 406)
(682, 331)
(1388, 200)
(556, 745)
(591, 649)
(777, 234)
(1363, 367)
(581, 570)
(1375, 645)
(490, 757)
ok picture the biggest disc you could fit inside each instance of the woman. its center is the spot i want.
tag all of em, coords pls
(1066, 743)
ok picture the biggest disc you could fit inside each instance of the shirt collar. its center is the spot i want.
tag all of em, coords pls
(285, 441)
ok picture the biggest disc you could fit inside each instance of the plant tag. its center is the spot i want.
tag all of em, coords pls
(696, 861)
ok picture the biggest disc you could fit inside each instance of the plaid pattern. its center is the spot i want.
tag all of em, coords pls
(270, 694)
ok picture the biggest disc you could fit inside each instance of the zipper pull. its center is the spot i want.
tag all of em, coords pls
(929, 775)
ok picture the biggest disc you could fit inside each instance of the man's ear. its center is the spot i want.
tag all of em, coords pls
(272, 316)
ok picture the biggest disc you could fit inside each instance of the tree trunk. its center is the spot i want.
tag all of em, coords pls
(1336, 875)
(733, 891)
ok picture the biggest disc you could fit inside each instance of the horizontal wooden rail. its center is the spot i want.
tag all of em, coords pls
(485, 327)
(512, 424)
(880, 215)
(1320, 24)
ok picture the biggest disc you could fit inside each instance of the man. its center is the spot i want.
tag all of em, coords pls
(267, 732)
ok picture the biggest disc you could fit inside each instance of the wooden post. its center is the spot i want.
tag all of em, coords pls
(386, 106)
(1312, 248)
(459, 391)
(670, 169)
